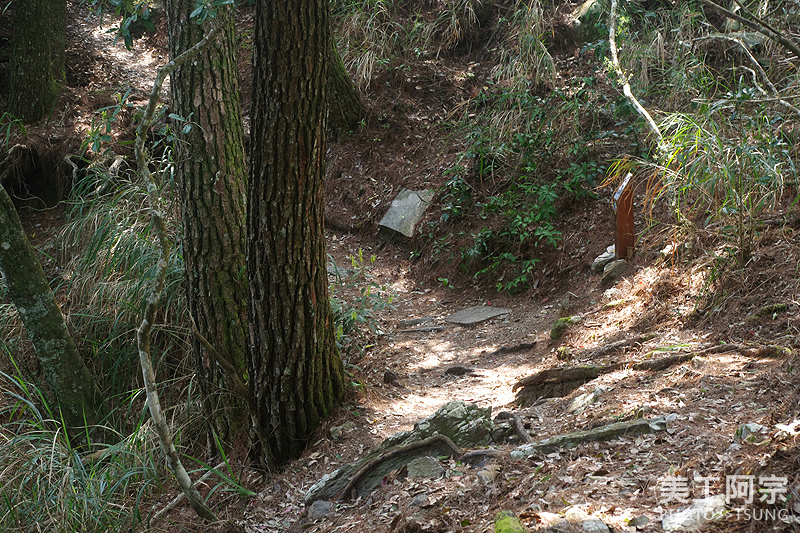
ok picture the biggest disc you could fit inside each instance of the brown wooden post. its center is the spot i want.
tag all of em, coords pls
(623, 208)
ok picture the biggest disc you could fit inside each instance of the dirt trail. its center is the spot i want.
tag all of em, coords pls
(705, 401)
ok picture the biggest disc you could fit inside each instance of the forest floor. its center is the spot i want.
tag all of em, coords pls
(404, 143)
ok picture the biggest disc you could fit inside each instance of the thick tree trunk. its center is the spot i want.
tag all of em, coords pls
(212, 178)
(69, 380)
(344, 103)
(296, 373)
(33, 86)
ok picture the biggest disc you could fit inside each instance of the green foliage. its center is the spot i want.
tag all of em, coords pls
(99, 134)
(531, 151)
(731, 166)
(47, 485)
(373, 36)
(110, 259)
(9, 123)
(362, 297)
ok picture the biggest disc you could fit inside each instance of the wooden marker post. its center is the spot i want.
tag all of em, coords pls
(623, 208)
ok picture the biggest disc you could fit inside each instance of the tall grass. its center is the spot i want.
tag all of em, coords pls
(110, 259)
(525, 63)
(378, 34)
(47, 485)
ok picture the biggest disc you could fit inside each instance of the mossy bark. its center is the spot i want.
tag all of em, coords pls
(345, 109)
(66, 374)
(296, 373)
(37, 63)
(212, 178)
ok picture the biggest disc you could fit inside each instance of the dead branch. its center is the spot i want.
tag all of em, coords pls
(555, 382)
(626, 87)
(145, 328)
(755, 24)
(614, 346)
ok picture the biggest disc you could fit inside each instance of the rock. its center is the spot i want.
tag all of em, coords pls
(583, 401)
(425, 467)
(406, 211)
(338, 272)
(749, 432)
(612, 294)
(411, 322)
(476, 315)
(561, 325)
(613, 271)
(584, 521)
(467, 425)
(638, 521)
(508, 522)
(696, 515)
(419, 500)
(594, 525)
(603, 259)
(459, 371)
(553, 523)
(570, 440)
(320, 508)
(337, 431)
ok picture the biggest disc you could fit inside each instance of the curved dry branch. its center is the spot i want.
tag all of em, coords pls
(626, 87)
(756, 24)
(145, 329)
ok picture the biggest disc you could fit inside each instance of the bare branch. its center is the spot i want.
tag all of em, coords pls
(626, 87)
(144, 330)
(757, 26)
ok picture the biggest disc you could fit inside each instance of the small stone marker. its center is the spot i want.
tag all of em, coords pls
(476, 315)
(406, 211)
(603, 259)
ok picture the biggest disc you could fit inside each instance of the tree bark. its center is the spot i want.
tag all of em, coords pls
(345, 109)
(212, 177)
(296, 372)
(66, 374)
(36, 62)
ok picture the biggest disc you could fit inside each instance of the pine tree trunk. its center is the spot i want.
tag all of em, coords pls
(33, 87)
(296, 373)
(344, 103)
(212, 176)
(66, 374)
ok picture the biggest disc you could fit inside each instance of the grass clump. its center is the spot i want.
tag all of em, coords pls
(46, 484)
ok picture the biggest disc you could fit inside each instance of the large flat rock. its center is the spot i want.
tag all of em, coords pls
(476, 315)
(406, 211)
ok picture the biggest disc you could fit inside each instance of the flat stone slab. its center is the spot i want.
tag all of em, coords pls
(476, 315)
(406, 211)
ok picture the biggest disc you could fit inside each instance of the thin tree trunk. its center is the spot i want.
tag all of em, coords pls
(345, 109)
(296, 373)
(212, 177)
(69, 380)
